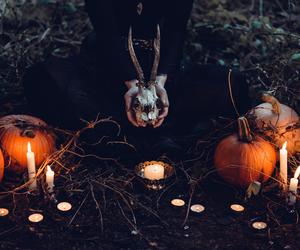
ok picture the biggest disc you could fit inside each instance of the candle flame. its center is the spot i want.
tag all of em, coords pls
(297, 173)
(29, 147)
(284, 145)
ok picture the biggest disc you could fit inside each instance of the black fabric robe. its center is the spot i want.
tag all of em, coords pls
(64, 90)
(111, 20)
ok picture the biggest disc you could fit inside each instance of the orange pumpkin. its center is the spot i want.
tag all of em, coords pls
(1, 166)
(277, 121)
(243, 158)
(15, 133)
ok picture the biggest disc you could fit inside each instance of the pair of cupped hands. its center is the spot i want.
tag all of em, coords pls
(162, 94)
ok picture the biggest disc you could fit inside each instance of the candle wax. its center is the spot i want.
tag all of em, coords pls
(292, 198)
(50, 178)
(3, 212)
(259, 225)
(283, 165)
(237, 208)
(64, 206)
(154, 172)
(197, 208)
(31, 167)
(178, 202)
(35, 217)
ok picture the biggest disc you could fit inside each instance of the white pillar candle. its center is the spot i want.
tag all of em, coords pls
(154, 172)
(50, 179)
(31, 167)
(293, 191)
(293, 188)
(283, 165)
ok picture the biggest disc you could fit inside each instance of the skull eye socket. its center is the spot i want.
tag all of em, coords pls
(135, 104)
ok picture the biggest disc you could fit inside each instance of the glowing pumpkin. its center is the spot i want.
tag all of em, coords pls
(1, 166)
(15, 133)
(242, 158)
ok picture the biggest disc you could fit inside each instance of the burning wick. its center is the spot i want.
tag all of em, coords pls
(197, 208)
(237, 208)
(35, 217)
(259, 225)
(178, 202)
(3, 212)
(64, 206)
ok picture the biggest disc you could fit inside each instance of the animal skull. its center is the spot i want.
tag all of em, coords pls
(145, 105)
(146, 102)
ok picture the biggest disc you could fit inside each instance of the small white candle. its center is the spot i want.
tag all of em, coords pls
(178, 202)
(283, 165)
(237, 208)
(197, 208)
(64, 206)
(3, 212)
(50, 179)
(154, 172)
(259, 225)
(31, 167)
(35, 217)
(292, 198)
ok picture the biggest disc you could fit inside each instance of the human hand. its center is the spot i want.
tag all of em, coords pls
(129, 96)
(164, 100)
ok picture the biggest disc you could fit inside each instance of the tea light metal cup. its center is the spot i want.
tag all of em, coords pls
(153, 183)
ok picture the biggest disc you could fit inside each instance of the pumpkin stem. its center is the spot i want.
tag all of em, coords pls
(244, 130)
(266, 97)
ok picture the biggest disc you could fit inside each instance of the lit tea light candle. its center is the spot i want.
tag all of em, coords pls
(3, 212)
(237, 208)
(197, 208)
(293, 188)
(259, 225)
(178, 202)
(35, 218)
(283, 165)
(154, 172)
(64, 206)
(50, 179)
(31, 167)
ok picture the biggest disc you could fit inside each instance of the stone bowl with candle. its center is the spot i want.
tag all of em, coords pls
(155, 175)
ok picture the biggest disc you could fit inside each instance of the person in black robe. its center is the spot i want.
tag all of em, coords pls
(96, 81)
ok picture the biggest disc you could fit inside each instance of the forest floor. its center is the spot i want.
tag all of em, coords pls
(111, 207)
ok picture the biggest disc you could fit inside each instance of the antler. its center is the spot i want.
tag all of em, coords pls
(134, 59)
(156, 46)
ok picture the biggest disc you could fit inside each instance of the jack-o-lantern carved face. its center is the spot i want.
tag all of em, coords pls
(146, 102)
